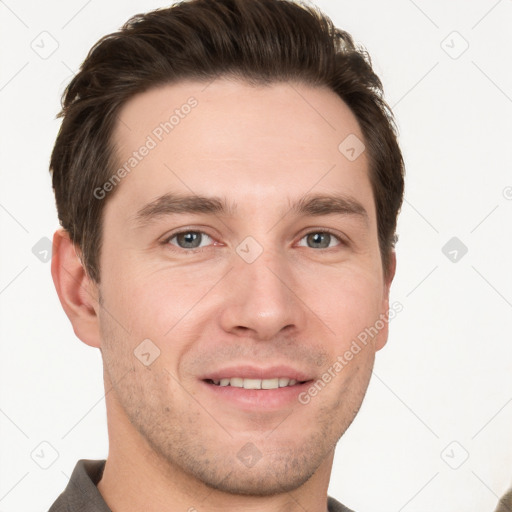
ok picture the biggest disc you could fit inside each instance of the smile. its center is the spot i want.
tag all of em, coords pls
(246, 383)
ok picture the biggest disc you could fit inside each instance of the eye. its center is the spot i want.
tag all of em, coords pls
(191, 240)
(188, 240)
(321, 239)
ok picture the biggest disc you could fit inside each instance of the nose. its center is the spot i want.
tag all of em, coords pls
(262, 298)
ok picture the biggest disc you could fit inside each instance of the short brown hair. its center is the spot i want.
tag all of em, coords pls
(260, 42)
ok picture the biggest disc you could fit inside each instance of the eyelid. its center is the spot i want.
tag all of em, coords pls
(169, 237)
(336, 234)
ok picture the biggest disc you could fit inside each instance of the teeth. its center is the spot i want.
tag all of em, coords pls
(283, 382)
(238, 382)
(252, 384)
(270, 383)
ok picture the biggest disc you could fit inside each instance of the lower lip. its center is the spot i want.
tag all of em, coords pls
(251, 399)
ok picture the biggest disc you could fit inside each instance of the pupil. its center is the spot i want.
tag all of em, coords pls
(191, 237)
(321, 238)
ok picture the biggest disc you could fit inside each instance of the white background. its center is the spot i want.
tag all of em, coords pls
(445, 374)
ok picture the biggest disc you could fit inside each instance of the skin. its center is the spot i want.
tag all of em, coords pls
(172, 445)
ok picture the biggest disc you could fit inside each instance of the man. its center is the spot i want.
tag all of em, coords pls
(228, 181)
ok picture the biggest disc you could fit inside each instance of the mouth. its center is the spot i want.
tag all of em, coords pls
(251, 389)
(249, 383)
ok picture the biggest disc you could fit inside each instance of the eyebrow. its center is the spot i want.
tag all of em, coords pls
(308, 205)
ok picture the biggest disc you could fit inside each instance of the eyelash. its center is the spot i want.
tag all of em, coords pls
(196, 251)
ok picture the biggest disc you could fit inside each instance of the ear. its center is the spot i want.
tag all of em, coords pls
(77, 293)
(382, 337)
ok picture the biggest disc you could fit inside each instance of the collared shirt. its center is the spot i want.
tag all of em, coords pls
(82, 495)
(505, 504)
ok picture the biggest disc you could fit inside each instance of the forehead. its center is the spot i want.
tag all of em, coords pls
(222, 137)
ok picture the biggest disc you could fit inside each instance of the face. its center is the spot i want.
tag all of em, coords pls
(260, 283)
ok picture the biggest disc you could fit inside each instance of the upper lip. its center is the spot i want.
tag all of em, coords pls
(253, 372)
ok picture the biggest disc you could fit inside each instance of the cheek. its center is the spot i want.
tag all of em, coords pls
(347, 304)
(140, 297)
(162, 306)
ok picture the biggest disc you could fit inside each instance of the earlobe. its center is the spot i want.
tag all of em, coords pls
(78, 294)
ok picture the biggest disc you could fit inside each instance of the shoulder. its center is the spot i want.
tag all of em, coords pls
(505, 503)
(335, 506)
(81, 493)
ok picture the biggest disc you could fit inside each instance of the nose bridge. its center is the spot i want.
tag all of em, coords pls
(261, 297)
